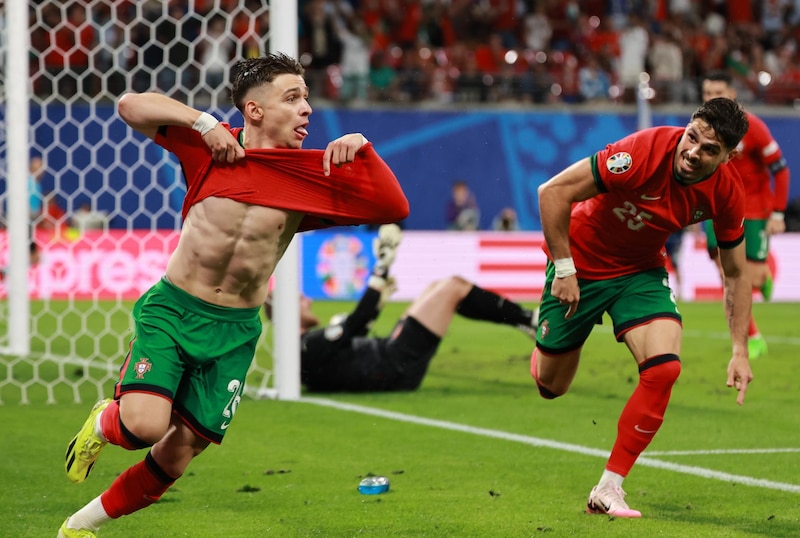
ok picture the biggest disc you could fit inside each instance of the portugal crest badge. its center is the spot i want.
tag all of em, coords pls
(142, 367)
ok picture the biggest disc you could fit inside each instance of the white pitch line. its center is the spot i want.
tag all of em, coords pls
(705, 335)
(567, 447)
(776, 339)
(722, 451)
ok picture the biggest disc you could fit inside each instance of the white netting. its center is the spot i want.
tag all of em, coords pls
(112, 199)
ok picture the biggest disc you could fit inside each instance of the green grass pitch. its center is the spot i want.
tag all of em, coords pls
(474, 453)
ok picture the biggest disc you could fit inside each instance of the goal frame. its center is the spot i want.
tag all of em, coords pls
(15, 147)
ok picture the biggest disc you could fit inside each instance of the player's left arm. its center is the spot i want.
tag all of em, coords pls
(738, 304)
(338, 334)
(370, 186)
(780, 195)
(776, 163)
(363, 316)
(147, 112)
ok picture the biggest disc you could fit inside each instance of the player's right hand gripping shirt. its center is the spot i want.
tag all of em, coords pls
(641, 202)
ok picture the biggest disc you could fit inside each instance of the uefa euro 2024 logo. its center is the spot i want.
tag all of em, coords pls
(342, 266)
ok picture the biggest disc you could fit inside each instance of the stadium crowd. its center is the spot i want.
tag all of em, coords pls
(435, 51)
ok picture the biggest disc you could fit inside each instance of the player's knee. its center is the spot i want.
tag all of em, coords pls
(544, 391)
(142, 431)
(146, 435)
(661, 369)
(758, 281)
(759, 272)
(457, 285)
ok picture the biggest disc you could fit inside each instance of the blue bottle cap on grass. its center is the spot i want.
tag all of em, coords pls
(373, 485)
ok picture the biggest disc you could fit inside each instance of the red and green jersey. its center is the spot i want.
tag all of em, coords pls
(365, 191)
(623, 230)
(759, 159)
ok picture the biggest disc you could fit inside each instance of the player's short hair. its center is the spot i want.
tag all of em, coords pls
(726, 117)
(254, 72)
(718, 75)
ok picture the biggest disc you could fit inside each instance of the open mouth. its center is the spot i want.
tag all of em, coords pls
(687, 166)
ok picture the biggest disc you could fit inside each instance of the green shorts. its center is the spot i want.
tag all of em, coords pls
(630, 300)
(756, 240)
(192, 352)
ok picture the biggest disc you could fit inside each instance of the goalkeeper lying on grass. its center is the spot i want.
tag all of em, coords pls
(340, 357)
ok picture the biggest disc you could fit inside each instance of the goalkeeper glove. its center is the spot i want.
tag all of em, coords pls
(384, 247)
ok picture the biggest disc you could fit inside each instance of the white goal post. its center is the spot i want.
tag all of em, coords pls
(64, 318)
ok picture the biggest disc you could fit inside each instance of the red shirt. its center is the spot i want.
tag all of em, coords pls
(758, 159)
(740, 12)
(505, 15)
(489, 59)
(365, 191)
(605, 42)
(623, 230)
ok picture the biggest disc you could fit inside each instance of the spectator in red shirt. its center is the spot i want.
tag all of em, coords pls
(490, 56)
(406, 23)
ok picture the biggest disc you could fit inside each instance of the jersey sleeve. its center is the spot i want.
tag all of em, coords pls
(362, 192)
(729, 219)
(365, 313)
(365, 191)
(319, 345)
(629, 161)
(620, 162)
(773, 159)
(188, 146)
(761, 136)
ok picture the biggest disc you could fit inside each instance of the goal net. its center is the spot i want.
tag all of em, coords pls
(109, 201)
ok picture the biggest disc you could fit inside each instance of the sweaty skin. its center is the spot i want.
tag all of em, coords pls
(227, 249)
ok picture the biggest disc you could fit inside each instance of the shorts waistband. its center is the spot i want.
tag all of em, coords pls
(199, 306)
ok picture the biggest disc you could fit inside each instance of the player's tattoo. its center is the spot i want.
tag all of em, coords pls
(729, 302)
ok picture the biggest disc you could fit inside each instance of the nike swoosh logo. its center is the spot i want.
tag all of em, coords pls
(646, 197)
(640, 430)
(224, 425)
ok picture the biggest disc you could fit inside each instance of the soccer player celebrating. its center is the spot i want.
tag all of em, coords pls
(342, 357)
(248, 191)
(758, 160)
(606, 219)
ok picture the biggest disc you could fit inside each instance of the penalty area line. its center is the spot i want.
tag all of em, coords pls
(644, 460)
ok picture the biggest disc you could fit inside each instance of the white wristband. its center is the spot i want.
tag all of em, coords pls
(205, 123)
(777, 215)
(564, 267)
(376, 282)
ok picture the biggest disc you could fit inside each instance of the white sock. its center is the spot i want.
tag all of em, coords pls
(90, 517)
(608, 476)
(98, 428)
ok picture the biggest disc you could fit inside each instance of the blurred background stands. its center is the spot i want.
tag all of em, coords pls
(426, 51)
